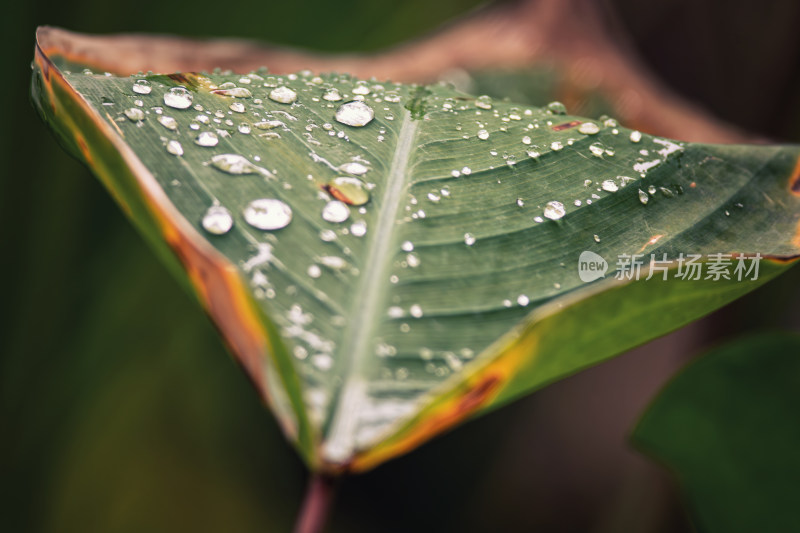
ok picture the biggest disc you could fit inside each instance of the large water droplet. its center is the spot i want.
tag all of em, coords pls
(554, 210)
(556, 146)
(314, 271)
(207, 138)
(643, 197)
(483, 102)
(355, 113)
(589, 128)
(282, 95)
(333, 261)
(322, 361)
(597, 149)
(327, 235)
(609, 185)
(142, 87)
(361, 88)
(332, 95)
(349, 190)
(354, 168)
(217, 220)
(391, 96)
(268, 214)
(483, 135)
(395, 312)
(134, 114)
(469, 239)
(636, 136)
(557, 108)
(168, 122)
(175, 148)
(336, 212)
(236, 164)
(178, 97)
(358, 229)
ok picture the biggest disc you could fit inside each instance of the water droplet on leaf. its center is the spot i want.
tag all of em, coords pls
(609, 185)
(557, 108)
(355, 113)
(336, 212)
(314, 271)
(554, 210)
(361, 88)
(332, 95)
(354, 168)
(268, 214)
(168, 122)
(217, 220)
(178, 97)
(282, 95)
(597, 149)
(175, 148)
(142, 87)
(358, 229)
(236, 164)
(207, 138)
(134, 114)
(483, 102)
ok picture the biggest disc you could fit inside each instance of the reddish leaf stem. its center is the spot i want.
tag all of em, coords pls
(316, 505)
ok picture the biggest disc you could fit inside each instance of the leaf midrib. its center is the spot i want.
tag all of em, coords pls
(367, 299)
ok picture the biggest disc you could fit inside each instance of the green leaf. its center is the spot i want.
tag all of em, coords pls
(727, 427)
(452, 286)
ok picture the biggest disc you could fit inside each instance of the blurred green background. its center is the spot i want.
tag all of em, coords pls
(121, 410)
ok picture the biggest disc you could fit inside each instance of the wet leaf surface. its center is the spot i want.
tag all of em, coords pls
(387, 260)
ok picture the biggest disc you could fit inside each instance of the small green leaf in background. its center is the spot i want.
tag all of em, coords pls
(728, 428)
